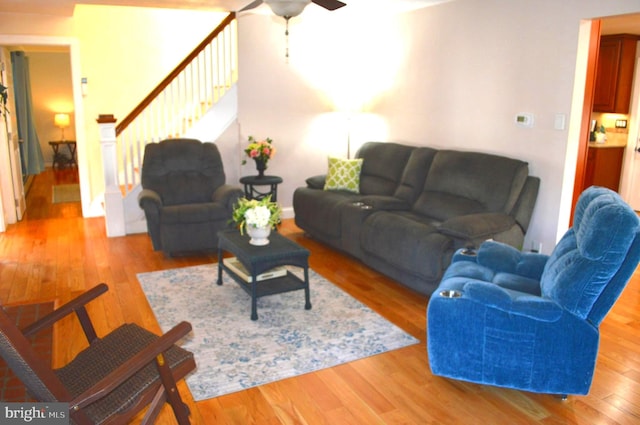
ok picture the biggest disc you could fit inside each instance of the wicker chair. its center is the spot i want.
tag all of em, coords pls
(110, 381)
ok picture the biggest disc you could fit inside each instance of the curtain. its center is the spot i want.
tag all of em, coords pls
(30, 150)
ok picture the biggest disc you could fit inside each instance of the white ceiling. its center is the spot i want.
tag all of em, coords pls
(65, 7)
(629, 24)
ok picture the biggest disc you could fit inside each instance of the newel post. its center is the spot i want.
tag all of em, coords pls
(113, 202)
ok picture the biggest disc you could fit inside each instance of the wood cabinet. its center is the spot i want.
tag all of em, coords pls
(603, 167)
(614, 75)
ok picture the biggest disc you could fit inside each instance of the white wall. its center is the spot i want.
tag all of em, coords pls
(452, 75)
(123, 51)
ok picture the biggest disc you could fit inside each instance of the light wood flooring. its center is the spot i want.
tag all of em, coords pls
(54, 254)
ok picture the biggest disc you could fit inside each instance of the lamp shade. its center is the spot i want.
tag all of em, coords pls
(287, 8)
(61, 120)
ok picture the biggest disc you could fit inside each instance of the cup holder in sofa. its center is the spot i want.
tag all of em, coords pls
(362, 205)
(469, 251)
(450, 293)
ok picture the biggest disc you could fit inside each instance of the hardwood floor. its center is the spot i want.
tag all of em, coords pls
(54, 253)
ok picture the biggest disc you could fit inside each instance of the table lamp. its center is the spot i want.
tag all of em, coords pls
(62, 121)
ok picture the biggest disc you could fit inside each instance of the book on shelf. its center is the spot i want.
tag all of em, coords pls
(238, 269)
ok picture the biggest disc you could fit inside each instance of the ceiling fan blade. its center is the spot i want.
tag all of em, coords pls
(251, 5)
(329, 4)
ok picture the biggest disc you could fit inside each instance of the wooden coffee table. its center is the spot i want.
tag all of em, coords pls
(259, 259)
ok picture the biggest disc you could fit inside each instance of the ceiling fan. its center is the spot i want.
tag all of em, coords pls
(290, 8)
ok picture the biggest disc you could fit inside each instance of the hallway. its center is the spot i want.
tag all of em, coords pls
(39, 195)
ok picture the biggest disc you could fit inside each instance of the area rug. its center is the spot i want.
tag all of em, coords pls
(11, 388)
(66, 193)
(234, 353)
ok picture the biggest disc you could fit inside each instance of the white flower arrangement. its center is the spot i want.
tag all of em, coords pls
(258, 216)
(256, 213)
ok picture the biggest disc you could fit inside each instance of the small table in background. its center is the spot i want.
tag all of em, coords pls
(61, 159)
(251, 192)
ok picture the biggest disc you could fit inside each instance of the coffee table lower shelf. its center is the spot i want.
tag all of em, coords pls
(277, 285)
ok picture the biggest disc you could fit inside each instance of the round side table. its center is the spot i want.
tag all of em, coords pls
(253, 189)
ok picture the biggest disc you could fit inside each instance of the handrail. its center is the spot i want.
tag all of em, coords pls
(177, 103)
(173, 74)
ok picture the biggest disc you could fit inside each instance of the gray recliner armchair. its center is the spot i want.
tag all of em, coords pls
(185, 198)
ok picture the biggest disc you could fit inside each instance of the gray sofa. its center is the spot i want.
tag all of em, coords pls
(416, 206)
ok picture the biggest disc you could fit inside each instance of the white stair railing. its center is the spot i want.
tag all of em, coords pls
(179, 101)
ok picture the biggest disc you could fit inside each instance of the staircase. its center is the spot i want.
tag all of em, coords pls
(200, 91)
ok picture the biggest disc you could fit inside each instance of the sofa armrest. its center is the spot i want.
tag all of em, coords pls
(316, 182)
(474, 227)
(151, 203)
(512, 302)
(523, 210)
(227, 195)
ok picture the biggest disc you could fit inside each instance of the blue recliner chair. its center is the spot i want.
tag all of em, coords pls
(530, 321)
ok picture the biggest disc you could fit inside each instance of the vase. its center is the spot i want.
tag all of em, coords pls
(261, 165)
(259, 235)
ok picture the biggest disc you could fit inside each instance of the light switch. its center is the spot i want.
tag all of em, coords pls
(559, 122)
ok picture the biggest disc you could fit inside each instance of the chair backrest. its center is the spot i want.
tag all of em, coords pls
(17, 352)
(595, 259)
(182, 171)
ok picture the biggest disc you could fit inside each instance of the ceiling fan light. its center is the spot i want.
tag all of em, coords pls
(287, 8)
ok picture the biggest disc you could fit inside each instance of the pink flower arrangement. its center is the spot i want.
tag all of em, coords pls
(261, 150)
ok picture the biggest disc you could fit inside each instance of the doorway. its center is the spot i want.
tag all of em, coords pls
(72, 46)
(630, 183)
(629, 171)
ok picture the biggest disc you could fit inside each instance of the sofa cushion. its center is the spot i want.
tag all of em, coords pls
(477, 226)
(408, 244)
(343, 174)
(462, 183)
(444, 206)
(319, 212)
(383, 166)
(415, 174)
(194, 213)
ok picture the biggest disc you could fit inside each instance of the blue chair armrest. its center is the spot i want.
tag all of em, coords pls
(512, 302)
(501, 257)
